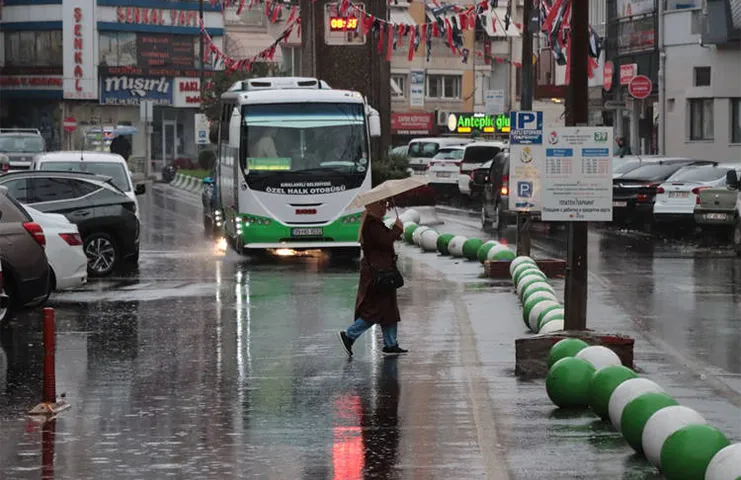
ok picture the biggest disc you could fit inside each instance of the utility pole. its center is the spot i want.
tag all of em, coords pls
(201, 73)
(524, 221)
(577, 114)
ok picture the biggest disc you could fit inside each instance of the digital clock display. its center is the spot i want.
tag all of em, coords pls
(340, 24)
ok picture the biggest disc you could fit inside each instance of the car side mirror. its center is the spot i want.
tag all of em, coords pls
(374, 124)
(732, 179)
(140, 189)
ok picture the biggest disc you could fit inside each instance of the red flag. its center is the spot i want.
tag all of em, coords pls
(390, 45)
(435, 29)
(546, 27)
(292, 15)
(380, 44)
(464, 21)
(276, 13)
(423, 33)
(449, 34)
(592, 66)
(240, 7)
(412, 38)
(567, 78)
(367, 23)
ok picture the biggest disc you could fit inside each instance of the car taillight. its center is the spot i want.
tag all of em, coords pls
(36, 232)
(504, 190)
(72, 239)
(660, 190)
(697, 191)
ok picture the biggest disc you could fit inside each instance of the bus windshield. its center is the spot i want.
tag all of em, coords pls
(304, 138)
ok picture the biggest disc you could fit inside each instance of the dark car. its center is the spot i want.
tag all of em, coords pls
(105, 216)
(495, 210)
(25, 270)
(634, 193)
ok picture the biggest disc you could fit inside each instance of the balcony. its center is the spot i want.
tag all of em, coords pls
(723, 22)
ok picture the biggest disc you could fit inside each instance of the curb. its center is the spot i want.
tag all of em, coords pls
(674, 438)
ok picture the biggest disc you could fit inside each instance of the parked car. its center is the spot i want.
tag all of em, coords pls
(676, 198)
(444, 169)
(495, 210)
(718, 207)
(100, 163)
(623, 165)
(421, 151)
(476, 154)
(105, 216)
(67, 260)
(400, 151)
(634, 193)
(18, 147)
(25, 270)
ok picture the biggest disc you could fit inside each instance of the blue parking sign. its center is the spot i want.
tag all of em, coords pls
(526, 128)
(525, 189)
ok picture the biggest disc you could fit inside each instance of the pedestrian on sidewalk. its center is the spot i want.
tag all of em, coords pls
(375, 305)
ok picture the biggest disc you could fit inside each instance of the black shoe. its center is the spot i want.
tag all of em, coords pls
(395, 350)
(346, 343)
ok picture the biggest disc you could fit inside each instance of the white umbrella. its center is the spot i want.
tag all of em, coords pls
(388, 189)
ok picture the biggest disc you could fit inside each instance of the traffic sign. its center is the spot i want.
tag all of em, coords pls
(608, 71)
(640, 87)
(70, 124)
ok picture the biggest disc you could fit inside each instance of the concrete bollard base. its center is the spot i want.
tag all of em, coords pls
(552, 268)
(531, 353)
(49, 408)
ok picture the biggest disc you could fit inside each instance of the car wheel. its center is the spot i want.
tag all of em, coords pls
(5, 301)
(737, 237)
(102, 254)
(485, 220)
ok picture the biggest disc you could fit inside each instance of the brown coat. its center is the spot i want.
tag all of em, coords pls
(378, 250)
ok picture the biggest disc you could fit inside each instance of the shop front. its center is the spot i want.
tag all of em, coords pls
(478, 125)
(33, 101)
(410, 125)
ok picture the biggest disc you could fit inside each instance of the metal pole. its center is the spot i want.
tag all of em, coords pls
(201, 79)
(50, 381)
(524, 221)
(577, 114)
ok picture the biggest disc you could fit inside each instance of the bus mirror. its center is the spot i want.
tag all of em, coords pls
(374, 122)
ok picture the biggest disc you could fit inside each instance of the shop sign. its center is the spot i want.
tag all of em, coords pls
(80, 74)
(417, 88)
(188, 92)
(157, 16)
(636, 35)
(630, 8)
(608, 71)
(478, 122)
(176, 51)
(627, 72)
(31, 82)
(411, 123)
(131, 90)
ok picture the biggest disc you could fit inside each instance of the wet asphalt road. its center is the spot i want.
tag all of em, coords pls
(204, 365)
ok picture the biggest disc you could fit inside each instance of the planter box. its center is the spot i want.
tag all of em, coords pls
(551, 267)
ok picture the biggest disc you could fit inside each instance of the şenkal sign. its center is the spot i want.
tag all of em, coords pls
(479, 122)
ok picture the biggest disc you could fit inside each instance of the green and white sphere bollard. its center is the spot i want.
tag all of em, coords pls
(409, 229)
(471, 248)
(532, 301)
(417, 235)
(551, 316)
(410, 215)
(526, 268)
(389, 222)
(521, 260)
(568, 347)
(626, 392)
(662, 425)
(455, 247)
(500, 253)
(552, 327)
(726, 464)
(636, 415)
(600, 356)
(484, 250)
(442, 243)
(538, 287)
(605, 381)
(428, 240)
(687, 453)
(540, 307)
(567, 382)
(528, 278)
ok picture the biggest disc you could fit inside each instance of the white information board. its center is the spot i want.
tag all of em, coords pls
(201, 127)
(577, 178)
(494, 101)
(526, 161)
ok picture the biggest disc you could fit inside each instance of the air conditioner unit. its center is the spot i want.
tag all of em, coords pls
(442, 117)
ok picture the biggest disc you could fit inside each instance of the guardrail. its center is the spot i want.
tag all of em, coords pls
(187, 183)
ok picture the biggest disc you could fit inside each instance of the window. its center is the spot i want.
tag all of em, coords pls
(398, 86)
(115, 171)
(444, 86)
(291, 60)
(702, 76)
(736, 120)
(85, 188)
(18, 189)
(701, 118)
(31, 48)
(51, 189)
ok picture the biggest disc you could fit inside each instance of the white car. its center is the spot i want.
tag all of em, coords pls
(63, 249)
(107, 164)
(445, 167)
(677, 196)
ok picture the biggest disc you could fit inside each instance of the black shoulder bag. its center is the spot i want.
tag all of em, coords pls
(386, 280)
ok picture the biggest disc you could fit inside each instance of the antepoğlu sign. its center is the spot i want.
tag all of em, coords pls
(478, 122)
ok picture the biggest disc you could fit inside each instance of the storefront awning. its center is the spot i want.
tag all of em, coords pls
(244, 45)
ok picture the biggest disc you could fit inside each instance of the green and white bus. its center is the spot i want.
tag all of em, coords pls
(293, 154)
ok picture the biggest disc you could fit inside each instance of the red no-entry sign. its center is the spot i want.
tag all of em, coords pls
(640, 86)
(70, 124)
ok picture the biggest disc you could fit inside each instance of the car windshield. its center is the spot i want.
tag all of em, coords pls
(21, 144)
(487, 165)
(449, 154)
(423, 149)
(480, 154)
(658, 171)
(116, 171)
(698, 174)
(304, 137)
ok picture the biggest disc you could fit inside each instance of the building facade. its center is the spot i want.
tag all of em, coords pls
(98, 61)
(701, 73)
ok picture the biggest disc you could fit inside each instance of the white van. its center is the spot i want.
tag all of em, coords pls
(99, 163)
(421, 151)
(476, 154)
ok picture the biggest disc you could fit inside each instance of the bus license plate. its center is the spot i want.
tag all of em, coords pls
(306, 232)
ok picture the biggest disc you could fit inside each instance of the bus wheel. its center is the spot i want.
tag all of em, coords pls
(239, 245)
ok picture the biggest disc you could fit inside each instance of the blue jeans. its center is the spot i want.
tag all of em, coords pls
(360, 326)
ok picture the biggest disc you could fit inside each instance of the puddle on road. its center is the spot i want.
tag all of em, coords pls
(142, 292)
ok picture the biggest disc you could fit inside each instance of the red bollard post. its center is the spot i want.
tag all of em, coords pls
(50, 378)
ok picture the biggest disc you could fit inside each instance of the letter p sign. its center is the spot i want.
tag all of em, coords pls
(525, 189)
(526, 120)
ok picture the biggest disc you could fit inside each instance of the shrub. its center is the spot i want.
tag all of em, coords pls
(207, 159)
(183, 163)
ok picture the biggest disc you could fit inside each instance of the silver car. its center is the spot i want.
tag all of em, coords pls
(18, 147)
